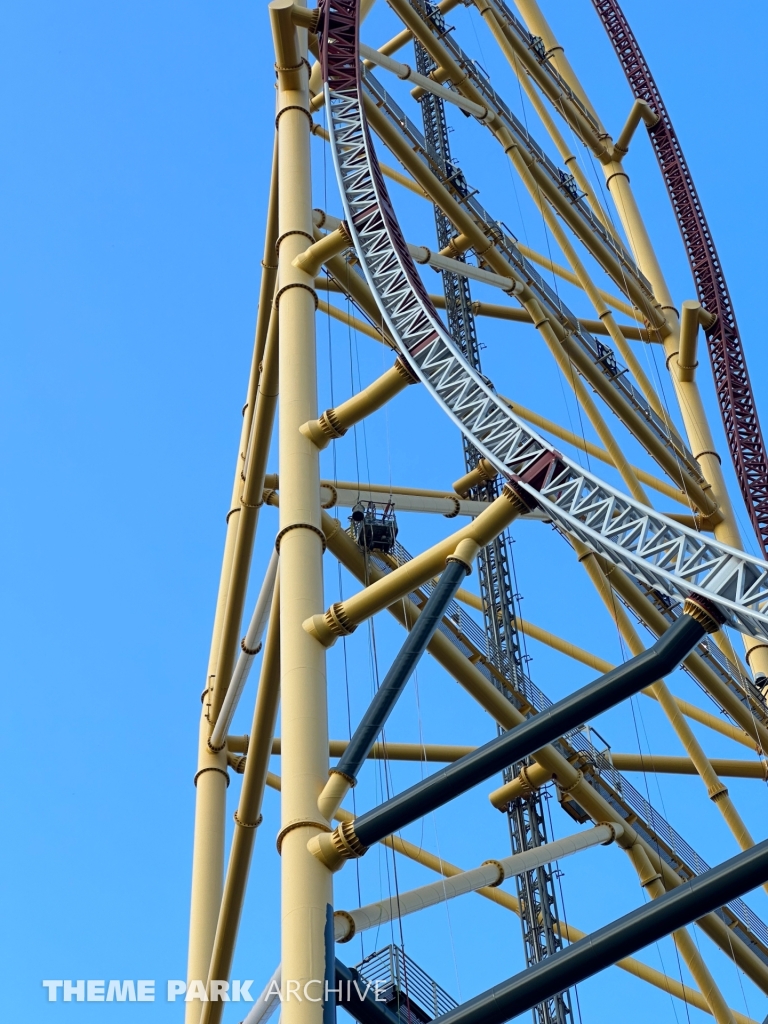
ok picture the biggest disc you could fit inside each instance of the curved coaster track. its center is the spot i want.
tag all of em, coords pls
(673, 559)
(726, 353)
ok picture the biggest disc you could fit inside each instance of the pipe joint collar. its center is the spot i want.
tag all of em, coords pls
(346, 921)
(324, 429)
(405, 371)
(502, 874)
(705, 612)
(567, 790)
(465, 553)
(333, 848)
(519, 498)
(616, 831)
(326, 629)
(291, 826)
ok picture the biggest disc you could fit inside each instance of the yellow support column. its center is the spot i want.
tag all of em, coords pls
(651, 881)
(306, 884)
(211, 778)
(689, 397)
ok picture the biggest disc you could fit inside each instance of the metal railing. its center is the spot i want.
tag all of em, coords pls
(404, 986)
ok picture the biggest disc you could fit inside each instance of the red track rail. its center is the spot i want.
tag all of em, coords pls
(729, 365)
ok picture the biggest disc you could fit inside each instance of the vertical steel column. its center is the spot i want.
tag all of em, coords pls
(306, 892)
(527, 824)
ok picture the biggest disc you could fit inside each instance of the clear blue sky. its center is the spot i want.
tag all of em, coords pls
(135, 142)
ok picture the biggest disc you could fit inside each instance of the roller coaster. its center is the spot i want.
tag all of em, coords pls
(681, 588)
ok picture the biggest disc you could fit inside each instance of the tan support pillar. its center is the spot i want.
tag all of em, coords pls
(653, 885)
(306, 885)
(248, 814)
(211, 783)
(539, 26)
(211, 779)
(336, 422)
(344, 617)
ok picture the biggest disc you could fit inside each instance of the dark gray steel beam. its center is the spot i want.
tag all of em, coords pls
(569, 713)
(354, 994)
(401, 670)
(621, 938)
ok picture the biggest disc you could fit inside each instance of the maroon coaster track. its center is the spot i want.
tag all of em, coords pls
(729, 365)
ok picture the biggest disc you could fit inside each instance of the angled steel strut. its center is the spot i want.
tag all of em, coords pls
(691, 901)
(677, 561)
(401, 670)
(726, 353)
(352, 839)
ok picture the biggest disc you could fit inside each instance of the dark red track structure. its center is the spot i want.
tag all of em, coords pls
(729, 365)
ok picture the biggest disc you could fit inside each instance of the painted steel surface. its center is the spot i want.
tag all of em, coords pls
(726, 353)
(663, 554)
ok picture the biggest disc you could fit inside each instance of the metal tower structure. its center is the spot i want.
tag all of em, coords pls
(527, 823)
(665, 577)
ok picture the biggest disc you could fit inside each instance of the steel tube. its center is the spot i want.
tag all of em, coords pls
(250, 647)
(627, 935)
(604, 693)
(336, 422)
(248, 815)
(248, 506)
(491, 873)
(668, 765)
(344, 775)
(408, 657)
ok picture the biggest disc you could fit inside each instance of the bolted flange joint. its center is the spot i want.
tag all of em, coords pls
(333, 848)
(705, 612)
(324, 429)
(329, 627)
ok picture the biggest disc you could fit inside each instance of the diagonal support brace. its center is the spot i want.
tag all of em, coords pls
(344, 775)
(352, 839)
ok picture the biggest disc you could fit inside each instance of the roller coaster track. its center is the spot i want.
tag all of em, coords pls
(597, 352)
(659, 552)
(729, 365)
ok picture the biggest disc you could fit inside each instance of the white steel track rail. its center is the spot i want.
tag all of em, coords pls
(671, 558)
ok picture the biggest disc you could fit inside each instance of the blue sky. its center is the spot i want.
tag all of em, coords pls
(136, 142)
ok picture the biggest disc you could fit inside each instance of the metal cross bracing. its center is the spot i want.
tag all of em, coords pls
(536, 893)
(672, 558)
(729, 366)
(582, 218)
(471, 640)
(599, 354)
(527, 822)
